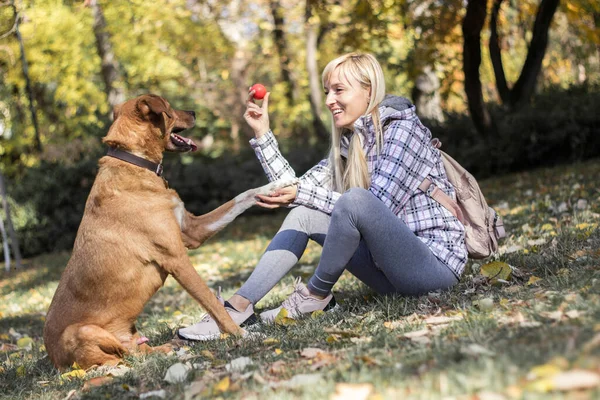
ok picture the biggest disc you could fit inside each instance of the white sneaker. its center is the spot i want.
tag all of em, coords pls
(300, 302)
(207, 328)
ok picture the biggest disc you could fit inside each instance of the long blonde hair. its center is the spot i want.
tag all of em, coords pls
(365, 69)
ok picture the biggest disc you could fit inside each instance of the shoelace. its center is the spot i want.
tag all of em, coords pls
(207, 316)
(295, 297)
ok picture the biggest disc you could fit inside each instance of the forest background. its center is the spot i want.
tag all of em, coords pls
(506, 85)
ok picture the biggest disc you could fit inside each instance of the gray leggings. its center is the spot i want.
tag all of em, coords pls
(363, 236)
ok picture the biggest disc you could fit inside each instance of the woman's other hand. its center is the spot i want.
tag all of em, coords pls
(280, 198)
(257, 117)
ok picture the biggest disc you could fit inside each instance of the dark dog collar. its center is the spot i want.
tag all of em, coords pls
(135, 160)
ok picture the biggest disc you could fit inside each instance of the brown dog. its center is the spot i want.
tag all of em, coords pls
(134, 233)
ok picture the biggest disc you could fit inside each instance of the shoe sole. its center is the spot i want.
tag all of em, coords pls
(251, 320)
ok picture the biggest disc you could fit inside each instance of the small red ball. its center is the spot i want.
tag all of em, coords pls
(259, 91)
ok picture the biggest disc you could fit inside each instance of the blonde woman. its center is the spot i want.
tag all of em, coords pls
(362, 203)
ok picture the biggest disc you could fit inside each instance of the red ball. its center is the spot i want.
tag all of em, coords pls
(259, 91)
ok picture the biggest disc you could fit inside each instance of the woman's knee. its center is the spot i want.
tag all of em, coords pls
(302, 217)
(353, 202)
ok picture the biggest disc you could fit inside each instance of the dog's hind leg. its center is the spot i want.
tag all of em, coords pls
(92, 345)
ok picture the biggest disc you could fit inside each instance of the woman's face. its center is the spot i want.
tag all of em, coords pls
(346, 99)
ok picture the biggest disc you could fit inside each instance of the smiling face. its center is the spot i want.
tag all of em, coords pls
(346, 98)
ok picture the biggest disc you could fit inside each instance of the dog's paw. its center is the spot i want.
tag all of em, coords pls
(276, 185)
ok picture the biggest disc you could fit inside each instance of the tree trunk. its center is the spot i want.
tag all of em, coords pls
(313, 73)
(496, 55)
(111, 74)
(525, 85)
(25, 66)
(281, 45)
(11, 232)
(472, 26)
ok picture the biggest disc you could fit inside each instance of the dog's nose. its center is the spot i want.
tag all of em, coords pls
(192, 113)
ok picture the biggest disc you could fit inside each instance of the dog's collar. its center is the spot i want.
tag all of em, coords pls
(135, 160)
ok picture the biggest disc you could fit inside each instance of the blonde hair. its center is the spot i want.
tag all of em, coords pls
(365, 69)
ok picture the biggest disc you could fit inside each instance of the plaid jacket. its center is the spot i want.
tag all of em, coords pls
(405, 160)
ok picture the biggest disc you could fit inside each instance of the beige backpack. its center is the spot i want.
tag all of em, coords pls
(483, 226)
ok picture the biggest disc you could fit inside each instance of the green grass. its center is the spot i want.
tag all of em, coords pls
(529, 329)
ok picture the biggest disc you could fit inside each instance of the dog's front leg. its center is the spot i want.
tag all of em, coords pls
(197, 229)
(182, 270)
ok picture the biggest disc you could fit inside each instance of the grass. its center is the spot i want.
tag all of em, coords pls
(501, 339)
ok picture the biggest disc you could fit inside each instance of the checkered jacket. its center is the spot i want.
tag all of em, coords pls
(405, 160)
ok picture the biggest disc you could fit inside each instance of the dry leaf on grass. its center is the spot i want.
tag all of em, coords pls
(97, 381)
(177, 373)
(442, 319)
(497, 270)
(352, 391)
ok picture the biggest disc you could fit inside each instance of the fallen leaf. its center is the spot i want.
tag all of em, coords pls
(161, 394)
(391, 325)
(352, 391)
(283, 319)
(25, 343)
(496, 270)
(77, 374)
(475, 349)
(177, 373)
(298, 381)
(239, 364)
(95, 382)
(416, 334)
(222, 386)
(576, 379)
(442, 319)
(361, 340)
(311, 352)
(207, 354)
(533, 280)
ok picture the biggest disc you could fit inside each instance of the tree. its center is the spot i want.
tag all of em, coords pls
(25, 69)
(472, 25)
(523, 89)
(281, 43)
(111, 74)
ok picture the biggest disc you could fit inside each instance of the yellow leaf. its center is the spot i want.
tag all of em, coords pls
(176, 313)
(283, 319)
(25, 342)
(332, 338)
(223, 385)
(543, 371)
(533, 280)
(207, 354)
(21, 371)
(496, 270)
(547, 227)
(78, 373)
(224, 336)
(278, 351)
(75, 366)
(316, 314)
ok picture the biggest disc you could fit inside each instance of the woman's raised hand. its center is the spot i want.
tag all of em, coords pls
(257, 117)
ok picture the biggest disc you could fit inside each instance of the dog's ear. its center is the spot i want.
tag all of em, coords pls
(153, 105)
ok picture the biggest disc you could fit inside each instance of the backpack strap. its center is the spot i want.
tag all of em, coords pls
(438, 195)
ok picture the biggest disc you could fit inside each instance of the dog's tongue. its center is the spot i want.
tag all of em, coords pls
(188, 141)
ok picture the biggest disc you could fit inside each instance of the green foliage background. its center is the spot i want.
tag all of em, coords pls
(190, 52)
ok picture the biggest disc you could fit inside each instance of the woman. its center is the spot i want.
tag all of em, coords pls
(362, 204)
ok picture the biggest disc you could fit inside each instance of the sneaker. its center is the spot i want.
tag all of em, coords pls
(300, 302)
(207, 328)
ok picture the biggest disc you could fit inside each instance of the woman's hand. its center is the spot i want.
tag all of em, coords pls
(257, 117)
(280, 198)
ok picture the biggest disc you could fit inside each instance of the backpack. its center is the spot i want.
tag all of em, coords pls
(483, 226)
